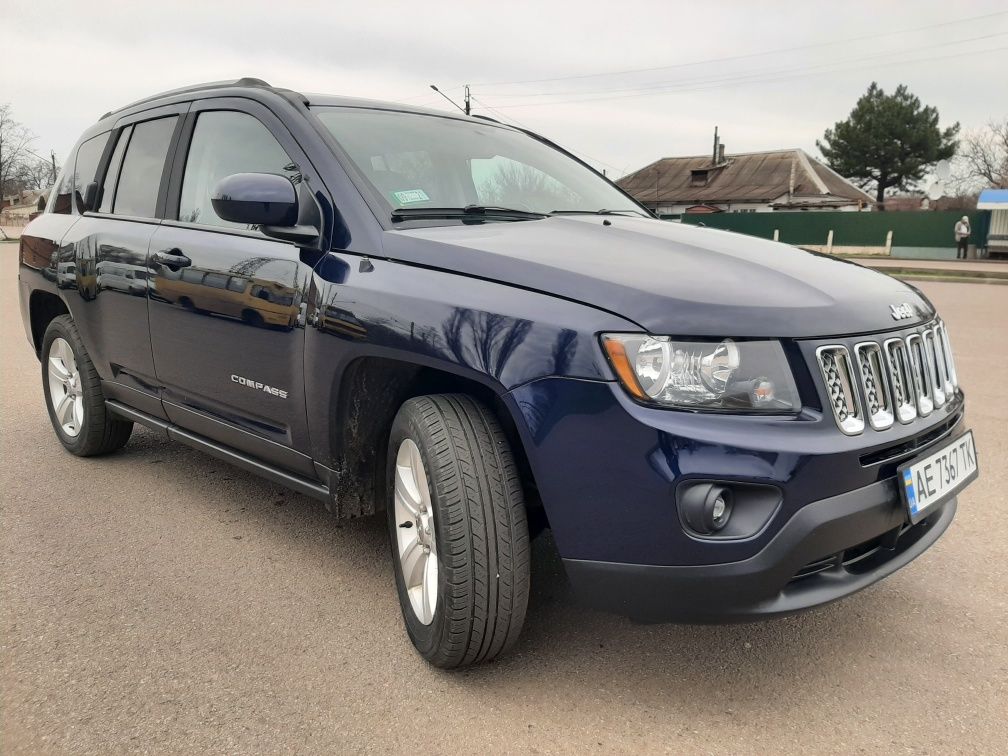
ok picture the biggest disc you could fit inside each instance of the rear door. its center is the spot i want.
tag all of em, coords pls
(110, 245)
(226, 302)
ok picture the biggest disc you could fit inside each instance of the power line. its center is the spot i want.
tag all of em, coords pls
(747, 55)
(705, 80)
(737, 81)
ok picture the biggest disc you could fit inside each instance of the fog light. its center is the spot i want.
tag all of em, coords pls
(707, 507)
(719, 511)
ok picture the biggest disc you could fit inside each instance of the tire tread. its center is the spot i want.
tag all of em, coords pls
(485, 553)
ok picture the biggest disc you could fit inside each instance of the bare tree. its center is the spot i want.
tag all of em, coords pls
(15, 143)
(983, 158)
(34, 173)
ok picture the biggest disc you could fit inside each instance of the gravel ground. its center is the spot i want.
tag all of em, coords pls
(161, 601)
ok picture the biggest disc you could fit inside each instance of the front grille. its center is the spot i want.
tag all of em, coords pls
(900, 378)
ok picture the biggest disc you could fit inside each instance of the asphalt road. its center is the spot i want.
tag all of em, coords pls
(161, 601)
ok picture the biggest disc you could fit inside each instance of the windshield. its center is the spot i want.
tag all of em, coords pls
(421, 161)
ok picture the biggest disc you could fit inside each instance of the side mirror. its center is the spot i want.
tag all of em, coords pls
(256, 199)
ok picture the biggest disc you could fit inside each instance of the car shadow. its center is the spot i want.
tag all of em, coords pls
(749, 666)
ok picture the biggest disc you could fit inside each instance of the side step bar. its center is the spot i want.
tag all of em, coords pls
(295, 482)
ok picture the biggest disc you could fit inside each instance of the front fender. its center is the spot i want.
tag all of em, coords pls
(414, 322)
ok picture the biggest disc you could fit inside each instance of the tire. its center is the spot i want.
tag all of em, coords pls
(253, 318)
(476, 514)
(92, 429)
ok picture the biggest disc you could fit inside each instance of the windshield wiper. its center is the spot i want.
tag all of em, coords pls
(603, 211)
(469, 211)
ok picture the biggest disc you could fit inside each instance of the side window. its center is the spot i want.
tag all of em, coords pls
(140, 178)
(226, 142)
(86, 167)
(112, 174)
(59, 197)
(79, 171)
(216, 280)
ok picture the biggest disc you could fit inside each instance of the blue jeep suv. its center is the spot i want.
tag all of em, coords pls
(456, 322)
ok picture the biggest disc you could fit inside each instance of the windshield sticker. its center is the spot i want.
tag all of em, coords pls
(407, 196)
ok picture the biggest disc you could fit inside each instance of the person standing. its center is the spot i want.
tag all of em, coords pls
(962, 234)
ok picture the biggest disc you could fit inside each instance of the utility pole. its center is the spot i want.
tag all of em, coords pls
(467, 99)
(52, 154)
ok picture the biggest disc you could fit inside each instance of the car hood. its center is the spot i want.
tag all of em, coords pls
(670, 278)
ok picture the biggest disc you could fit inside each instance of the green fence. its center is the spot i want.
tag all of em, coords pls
(916, 230)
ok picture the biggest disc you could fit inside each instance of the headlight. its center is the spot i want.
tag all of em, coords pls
(748, 376)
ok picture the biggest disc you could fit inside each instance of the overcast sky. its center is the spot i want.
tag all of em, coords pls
(621, 84)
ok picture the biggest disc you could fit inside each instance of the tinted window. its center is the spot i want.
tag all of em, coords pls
(77, 174)
(86, 167)
(59, 198)
(226, 142)
(112, 174)
(140, 178)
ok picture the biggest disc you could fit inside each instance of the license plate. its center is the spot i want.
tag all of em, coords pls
(934, 479)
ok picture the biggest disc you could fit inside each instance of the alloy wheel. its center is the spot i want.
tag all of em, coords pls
(415, 537)
(66, 395)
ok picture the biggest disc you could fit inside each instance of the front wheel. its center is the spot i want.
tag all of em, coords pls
(457, 524)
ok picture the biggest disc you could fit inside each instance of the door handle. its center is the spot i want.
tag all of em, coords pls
(172, 259)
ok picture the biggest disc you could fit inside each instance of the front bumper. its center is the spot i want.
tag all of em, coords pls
(829, 549)
(607, 472)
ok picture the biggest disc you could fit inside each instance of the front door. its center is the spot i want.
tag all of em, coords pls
(226, 314)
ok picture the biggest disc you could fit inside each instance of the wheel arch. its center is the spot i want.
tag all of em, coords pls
(43, 308)
(365, 403)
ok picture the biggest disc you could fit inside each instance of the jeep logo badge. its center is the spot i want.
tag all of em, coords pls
(901, 311)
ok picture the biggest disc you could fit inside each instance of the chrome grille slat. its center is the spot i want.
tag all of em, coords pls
(941, 339)
(834, 362)
(901, 380)
(935, 368)
(875, 384)
(921, 374)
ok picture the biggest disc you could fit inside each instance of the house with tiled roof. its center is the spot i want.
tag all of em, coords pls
(742, 182)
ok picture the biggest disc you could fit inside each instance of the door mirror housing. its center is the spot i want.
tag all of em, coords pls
(256, 199)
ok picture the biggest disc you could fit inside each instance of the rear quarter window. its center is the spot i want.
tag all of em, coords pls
(80, 171)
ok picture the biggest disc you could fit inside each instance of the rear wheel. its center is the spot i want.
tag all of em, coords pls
(458, 530)
(73, 394)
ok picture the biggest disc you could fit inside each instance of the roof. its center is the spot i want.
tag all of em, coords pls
(993, 199)
(249, 85)
(743, 177)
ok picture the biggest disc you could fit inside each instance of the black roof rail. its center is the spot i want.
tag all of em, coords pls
(245, 81)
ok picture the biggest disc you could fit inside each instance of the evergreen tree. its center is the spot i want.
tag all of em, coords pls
(887, 141)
